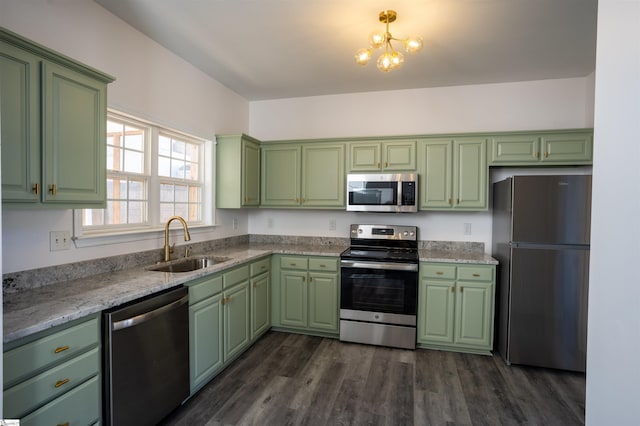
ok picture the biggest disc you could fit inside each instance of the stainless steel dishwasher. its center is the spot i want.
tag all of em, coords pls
(146, 358)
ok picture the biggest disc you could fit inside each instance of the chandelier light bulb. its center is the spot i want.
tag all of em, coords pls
(363, 56)
(413, 44)
(397, 59)
(385, 62)
(376, 40)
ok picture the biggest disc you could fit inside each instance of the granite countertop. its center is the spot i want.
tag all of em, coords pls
(30, 311)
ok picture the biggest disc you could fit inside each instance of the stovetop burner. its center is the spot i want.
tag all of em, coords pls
(388, 243)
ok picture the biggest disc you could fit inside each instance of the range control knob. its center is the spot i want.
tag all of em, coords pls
(411, 233)
(360, 231)
(405, 233)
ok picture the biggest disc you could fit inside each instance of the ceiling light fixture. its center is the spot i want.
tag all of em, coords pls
(390, 59)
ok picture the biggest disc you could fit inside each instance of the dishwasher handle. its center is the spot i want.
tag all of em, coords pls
(139, 319)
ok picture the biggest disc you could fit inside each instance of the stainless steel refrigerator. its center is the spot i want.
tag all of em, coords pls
(541, 231)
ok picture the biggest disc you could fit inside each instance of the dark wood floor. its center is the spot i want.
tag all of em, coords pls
(291, 379)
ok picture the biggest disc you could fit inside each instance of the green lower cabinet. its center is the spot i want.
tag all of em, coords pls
(436, 301)
(260, 305)
(305, 294)
(54, 377)
(227, 311)
(456, 307)
(237, 334)
(293, 302)
(205, 337)
(323, 301)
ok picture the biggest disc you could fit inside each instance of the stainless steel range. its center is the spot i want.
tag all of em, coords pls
(379, 286)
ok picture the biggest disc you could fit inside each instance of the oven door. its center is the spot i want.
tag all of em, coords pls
(379, 291)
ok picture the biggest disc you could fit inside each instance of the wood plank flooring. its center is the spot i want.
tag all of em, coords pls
(291, 379)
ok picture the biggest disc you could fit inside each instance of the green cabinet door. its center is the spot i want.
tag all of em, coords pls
(515, 149)
(323, 301)
(205, 340)
(323, 183)
(571, 147)
(260, 306)
(567, 148)
(74, 139)
(454, 174)
(378, 156)
(20, 125)
(280, 182)
(474, 313)
(436, 313)
(436, 174)
(399, 156)
(365, 157)
(237, 171)
(470, 174)
(237, 330)
(293, 298)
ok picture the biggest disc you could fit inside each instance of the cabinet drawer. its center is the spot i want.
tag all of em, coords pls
(260, 266)
(30, 394)
(236, 276)
(329, 264)
(27, 359)
(436, 270)
(205, 287)
(291, 262)
(80, 406)
(475, 273)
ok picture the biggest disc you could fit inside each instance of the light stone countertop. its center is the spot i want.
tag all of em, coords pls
(30, 311)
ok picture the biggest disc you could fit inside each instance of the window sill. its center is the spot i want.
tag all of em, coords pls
(127, 236)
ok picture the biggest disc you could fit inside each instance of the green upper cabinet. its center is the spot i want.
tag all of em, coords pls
(53, 127)
(542, 148)
(323, 175)
(74, 119)
(20, 124)
(280, 181)
(237, 171)
(454, 174)
(382, 156)
(303, 175)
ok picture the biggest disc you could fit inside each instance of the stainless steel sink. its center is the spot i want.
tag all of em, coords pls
(188, 264)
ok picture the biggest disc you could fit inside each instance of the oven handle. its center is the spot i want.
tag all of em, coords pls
(379, 265)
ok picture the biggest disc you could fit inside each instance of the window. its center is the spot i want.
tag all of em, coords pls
(153, 173)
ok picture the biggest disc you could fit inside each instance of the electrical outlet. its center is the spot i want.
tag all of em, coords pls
(270, 222)
(59, 240)
(332, 225)
(467, 229)
(235, 223)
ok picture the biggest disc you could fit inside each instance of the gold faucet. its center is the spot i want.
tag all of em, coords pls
(167, 248)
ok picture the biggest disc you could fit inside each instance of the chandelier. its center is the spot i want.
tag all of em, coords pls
(391, 58)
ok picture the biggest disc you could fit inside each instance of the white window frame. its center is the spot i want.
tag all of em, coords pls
(110, 234)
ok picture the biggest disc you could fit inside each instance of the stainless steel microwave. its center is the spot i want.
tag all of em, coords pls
(382, 192)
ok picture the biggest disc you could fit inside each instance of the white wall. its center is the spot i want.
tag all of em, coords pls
(613, 367)
(533, 105)
(151, 83)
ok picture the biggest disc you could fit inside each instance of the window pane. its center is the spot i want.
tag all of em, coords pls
(164, 166)
(181, 194)
(164, 146)
(114, 127)
(192, 172)
(166, 193)
(178, 169)
(137, 212)
(166, 211)
(181, 210)
(134, 162)
(136, 190)
(134, 138)
(177, 149)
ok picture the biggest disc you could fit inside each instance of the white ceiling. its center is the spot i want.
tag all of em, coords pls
(270, 49)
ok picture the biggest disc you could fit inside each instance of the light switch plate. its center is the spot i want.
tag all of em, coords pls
(59, 240)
